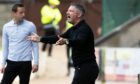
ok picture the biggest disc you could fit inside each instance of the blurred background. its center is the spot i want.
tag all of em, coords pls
(116, 28)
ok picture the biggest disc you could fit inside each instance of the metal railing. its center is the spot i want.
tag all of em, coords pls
(8, 1)
(116, 30)
(138, 78)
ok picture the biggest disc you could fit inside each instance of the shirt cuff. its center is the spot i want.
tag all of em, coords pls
(67, 41)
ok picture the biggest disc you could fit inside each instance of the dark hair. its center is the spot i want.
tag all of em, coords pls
(79, 7)
(14, 8)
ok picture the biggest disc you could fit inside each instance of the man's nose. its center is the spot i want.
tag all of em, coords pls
(23, 14)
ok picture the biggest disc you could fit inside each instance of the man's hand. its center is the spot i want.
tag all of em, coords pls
(34, 37)
(2, 69)
(61, 41)
(34, 68)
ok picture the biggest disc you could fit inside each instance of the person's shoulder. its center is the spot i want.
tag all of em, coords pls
(84, 25)
(9, 23)
(45, 6)
(86, 28)
(28, 22)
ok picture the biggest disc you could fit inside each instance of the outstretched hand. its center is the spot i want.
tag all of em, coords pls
(61, 41)
(34, 37)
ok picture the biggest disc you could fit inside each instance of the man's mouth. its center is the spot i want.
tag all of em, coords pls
(68, 16)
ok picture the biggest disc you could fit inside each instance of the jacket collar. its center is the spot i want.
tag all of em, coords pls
(79, 24)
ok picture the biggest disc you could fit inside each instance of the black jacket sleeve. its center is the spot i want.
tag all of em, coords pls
(49, 39)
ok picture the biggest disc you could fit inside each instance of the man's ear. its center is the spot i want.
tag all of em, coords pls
(12, 14)
(80, 14)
